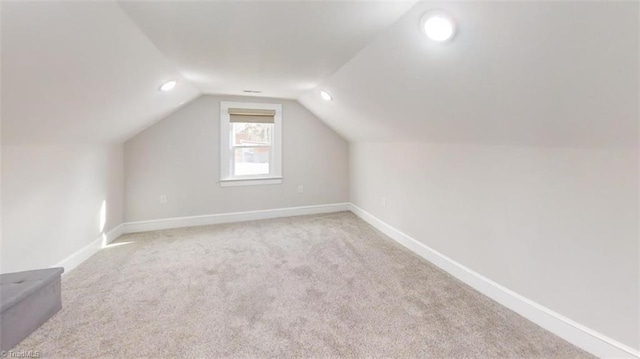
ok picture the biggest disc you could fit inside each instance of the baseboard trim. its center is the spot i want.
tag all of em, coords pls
(81, 255)
(573, 332)
(113, 234)
(180, 222)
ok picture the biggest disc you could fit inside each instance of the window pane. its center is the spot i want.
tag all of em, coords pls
(252, 134)
(251, 161)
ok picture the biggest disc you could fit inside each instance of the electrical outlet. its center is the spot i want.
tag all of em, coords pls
(163, 198)
(383, 202)
(300, 189)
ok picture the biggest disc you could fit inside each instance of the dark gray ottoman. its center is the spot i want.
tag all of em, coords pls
(27, 299)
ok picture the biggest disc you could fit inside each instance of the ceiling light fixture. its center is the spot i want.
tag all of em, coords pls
(325, 95)
(168, 86)
(438, 26)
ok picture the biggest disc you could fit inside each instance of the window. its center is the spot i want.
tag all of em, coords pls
(250, 143)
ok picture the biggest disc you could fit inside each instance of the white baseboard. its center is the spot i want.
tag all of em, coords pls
(113, 234)
(90, 249)
(179, 222)
(575, 333)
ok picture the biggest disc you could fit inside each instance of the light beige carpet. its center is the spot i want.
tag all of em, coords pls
(314, 286)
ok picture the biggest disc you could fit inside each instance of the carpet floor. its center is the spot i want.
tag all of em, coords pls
(320, 286)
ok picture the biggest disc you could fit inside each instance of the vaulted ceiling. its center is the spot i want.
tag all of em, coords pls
(85, 71)
(80, 72)
(522, 73)
(280, 48)
(516, 73)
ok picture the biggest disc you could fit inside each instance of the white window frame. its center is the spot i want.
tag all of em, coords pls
(226, 149)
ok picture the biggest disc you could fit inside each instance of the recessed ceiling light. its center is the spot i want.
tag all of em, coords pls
(438, 26)
(168, 86)
(325, 95)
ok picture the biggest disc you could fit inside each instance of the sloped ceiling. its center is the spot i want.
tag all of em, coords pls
(88, 72)
(524, 73)
(80, 72)
(517, 73)
(282, 48)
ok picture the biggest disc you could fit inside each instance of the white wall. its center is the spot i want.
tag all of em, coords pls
(52, 198)
(557, 225)
(179, 157)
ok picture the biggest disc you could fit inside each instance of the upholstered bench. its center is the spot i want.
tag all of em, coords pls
(27, 299)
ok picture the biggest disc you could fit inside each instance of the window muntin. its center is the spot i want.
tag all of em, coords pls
(250, 143)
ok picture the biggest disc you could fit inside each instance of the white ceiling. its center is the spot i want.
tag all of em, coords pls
(517, 73)
(280, 48)
(80, 72)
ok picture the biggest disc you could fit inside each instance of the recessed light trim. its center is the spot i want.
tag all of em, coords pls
(168, 86)
(438, 26)
(325, 95)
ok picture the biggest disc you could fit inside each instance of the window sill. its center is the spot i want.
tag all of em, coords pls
(249, 181)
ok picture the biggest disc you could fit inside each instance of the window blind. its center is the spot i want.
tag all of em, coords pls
(247, 115)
